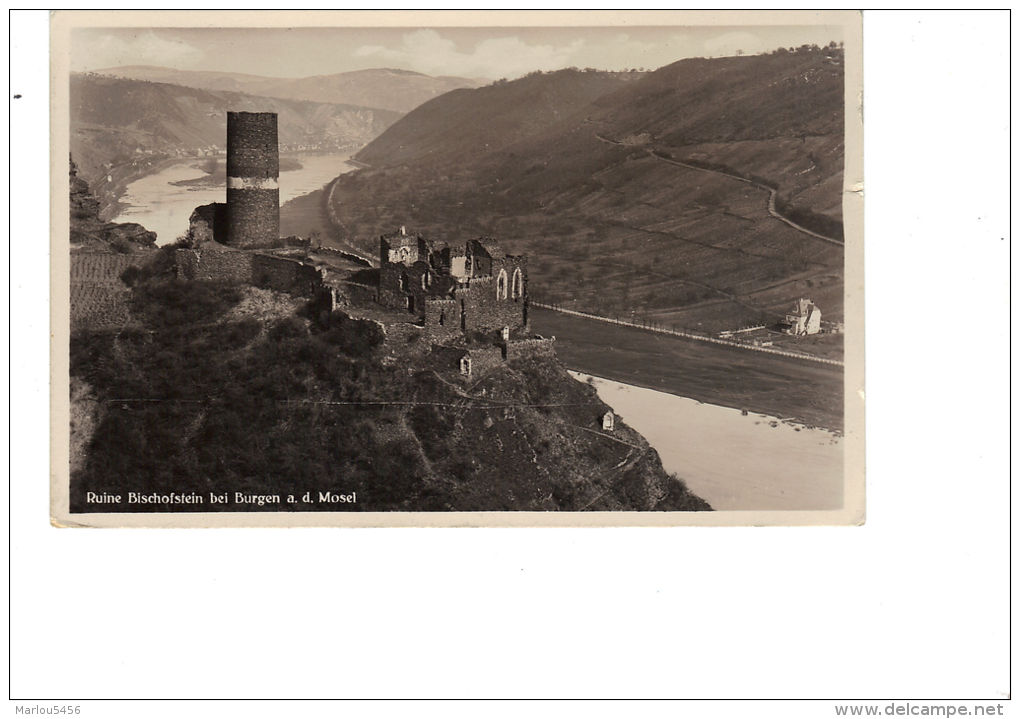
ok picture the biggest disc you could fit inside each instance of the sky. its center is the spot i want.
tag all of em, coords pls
(483, 53)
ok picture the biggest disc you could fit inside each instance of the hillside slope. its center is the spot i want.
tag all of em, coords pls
(383, 88)
(121, 128)
(234, 390)
(465, 127)
(632, 201)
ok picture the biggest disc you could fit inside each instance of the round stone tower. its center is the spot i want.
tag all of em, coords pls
(253, 172)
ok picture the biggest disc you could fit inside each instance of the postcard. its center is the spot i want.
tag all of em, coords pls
(427, 268)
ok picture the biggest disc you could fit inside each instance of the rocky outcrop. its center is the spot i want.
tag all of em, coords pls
(89, 232)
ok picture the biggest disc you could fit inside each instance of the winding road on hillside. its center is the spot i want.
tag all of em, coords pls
(772, 192)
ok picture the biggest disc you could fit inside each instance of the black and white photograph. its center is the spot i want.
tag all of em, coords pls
(496, 274)
(468, 363)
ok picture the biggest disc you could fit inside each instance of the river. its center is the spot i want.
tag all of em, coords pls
(157, 204)
(732, 460)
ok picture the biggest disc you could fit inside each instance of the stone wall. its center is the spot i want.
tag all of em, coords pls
(400, 335)
(483, 360)
(392, 279)
(350, 256)
(482, 310)
(442, 319)
(417, 282)
(522, 349)
(214, 263)
(285, 275)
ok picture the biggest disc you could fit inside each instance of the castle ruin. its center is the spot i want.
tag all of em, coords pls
(474, 287)
(469, 302)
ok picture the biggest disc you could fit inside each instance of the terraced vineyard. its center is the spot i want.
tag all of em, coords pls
(99, 299)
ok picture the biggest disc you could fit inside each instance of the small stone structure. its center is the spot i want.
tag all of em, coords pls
(478, 361)
(609, 421)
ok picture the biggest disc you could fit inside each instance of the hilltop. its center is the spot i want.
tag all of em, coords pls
(235, 389)
(626, 189)
(244, 389)
(122, 129)
(381, 88)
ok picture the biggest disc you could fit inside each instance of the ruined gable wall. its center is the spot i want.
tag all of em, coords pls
(511, 264)
(208, 223)
(392, 295)
(484, 313)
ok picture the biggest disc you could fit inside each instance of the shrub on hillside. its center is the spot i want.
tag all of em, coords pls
(167, 303)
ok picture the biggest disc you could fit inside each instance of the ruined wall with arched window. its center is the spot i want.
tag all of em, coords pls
(501, 281)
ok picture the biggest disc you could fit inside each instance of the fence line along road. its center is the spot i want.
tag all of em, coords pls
(691, 336)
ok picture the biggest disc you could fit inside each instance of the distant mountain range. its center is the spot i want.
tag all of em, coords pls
(385, 89)
(668, 194)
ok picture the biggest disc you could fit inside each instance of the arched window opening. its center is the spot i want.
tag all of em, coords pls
(501, 285)
(517, 286)
(403, 281)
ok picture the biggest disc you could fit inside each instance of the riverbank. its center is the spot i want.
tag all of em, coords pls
(734, 461)
(218, 177)
(163, 200)
(809, 393)
(110, 193)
